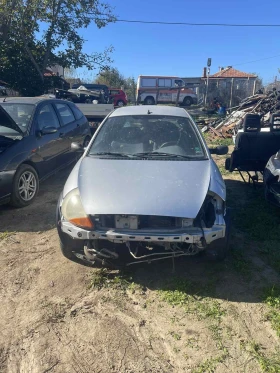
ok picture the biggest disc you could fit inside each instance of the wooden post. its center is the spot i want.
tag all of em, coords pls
(231, 92)
(254, 88)
(157, 95)
(178, 95)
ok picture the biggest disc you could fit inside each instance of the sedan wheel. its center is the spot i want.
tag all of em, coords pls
(25, 186)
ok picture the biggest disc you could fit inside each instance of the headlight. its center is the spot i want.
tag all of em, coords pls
(73, 211)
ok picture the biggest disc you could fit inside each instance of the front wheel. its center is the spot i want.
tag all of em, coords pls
(25, 186)
(187, 101)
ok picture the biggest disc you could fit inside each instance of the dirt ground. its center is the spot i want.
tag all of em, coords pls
(196, 316)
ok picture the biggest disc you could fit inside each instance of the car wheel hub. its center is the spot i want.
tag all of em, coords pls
(27, 186)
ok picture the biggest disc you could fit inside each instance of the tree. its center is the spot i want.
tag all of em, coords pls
(130, 89)
(110, 77)
(53, 26)
(16, 70)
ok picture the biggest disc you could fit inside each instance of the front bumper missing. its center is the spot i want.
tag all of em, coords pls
(190, 235)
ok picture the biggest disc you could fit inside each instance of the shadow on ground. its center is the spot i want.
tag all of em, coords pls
(40, 215)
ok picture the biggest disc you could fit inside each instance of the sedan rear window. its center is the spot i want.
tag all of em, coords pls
(140, 134)
(20, 113)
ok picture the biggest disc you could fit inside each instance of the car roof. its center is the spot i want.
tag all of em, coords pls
(28, 100)
(152, 109)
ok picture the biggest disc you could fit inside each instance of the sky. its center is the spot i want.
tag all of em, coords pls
(183, 50)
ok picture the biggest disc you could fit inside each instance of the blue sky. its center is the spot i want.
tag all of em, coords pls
(183, 50)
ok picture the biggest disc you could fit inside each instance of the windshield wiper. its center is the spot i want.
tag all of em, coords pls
(170, 155)
(112, 154)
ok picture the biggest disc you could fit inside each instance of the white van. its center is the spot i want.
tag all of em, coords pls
(163, 89)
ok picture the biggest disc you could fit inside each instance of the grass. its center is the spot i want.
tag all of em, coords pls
(240, 263)
(176, 336)
(267, 364)
(272, 299)
(181, 292)
(217, 141)
(104, 278)
(5, 235)
(209, 365)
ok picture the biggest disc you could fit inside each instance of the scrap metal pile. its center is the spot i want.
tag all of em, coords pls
(263, 104)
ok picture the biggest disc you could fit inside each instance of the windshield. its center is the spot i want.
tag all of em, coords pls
(151, 135)
(20, 113)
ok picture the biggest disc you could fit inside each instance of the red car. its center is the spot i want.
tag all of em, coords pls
(120, 98)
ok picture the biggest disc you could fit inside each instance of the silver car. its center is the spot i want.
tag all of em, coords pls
(146, 188)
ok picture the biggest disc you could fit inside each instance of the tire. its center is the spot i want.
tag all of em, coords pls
(149, 101)
(88, 101)
(188, 101)
(25, 186)
(120, 103)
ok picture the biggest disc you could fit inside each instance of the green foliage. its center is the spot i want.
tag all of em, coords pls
(113, 78)
(31, 32)
(267, 364)
(272, 299)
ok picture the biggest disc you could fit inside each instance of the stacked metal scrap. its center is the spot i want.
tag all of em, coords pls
(263, 104)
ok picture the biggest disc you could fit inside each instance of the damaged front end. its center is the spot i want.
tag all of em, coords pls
(134, 239)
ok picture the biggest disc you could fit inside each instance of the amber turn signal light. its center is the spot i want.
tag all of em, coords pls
(84, 222)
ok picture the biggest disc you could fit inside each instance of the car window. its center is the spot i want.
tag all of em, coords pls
(65, 113)
(47, 117)
(77, 112)
(153, 133)
(20, 113)
(164, 82)
(179, 83)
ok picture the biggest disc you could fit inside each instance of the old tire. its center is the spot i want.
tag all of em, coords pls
(149, 101)
(188, 101)
(25, 186)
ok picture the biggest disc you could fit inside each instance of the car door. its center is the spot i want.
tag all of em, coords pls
(165, 93)
(49, 145)
(70, 130)
(82, 124)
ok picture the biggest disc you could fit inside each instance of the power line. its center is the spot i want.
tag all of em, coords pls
(261, 59)
(189, 23)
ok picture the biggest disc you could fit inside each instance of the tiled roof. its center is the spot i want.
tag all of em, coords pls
(229, 72)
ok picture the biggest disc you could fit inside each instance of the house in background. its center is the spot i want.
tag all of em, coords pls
(230, 85)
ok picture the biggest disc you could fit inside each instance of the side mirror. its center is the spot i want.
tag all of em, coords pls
(48, 130)
(76, 147)
(219, 150)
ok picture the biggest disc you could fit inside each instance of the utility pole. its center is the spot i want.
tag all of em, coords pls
(207, 81)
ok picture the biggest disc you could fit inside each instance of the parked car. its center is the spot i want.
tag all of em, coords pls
(271, 178)
(35, 141)
(147, 185)
(118, 97)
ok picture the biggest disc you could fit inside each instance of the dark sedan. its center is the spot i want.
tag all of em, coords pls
(35, 141)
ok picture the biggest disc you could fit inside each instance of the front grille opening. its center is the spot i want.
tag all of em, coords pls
(157, 222)
(144, 222)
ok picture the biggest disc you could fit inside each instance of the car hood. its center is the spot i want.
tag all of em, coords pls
(7, 121)
(141, 187)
